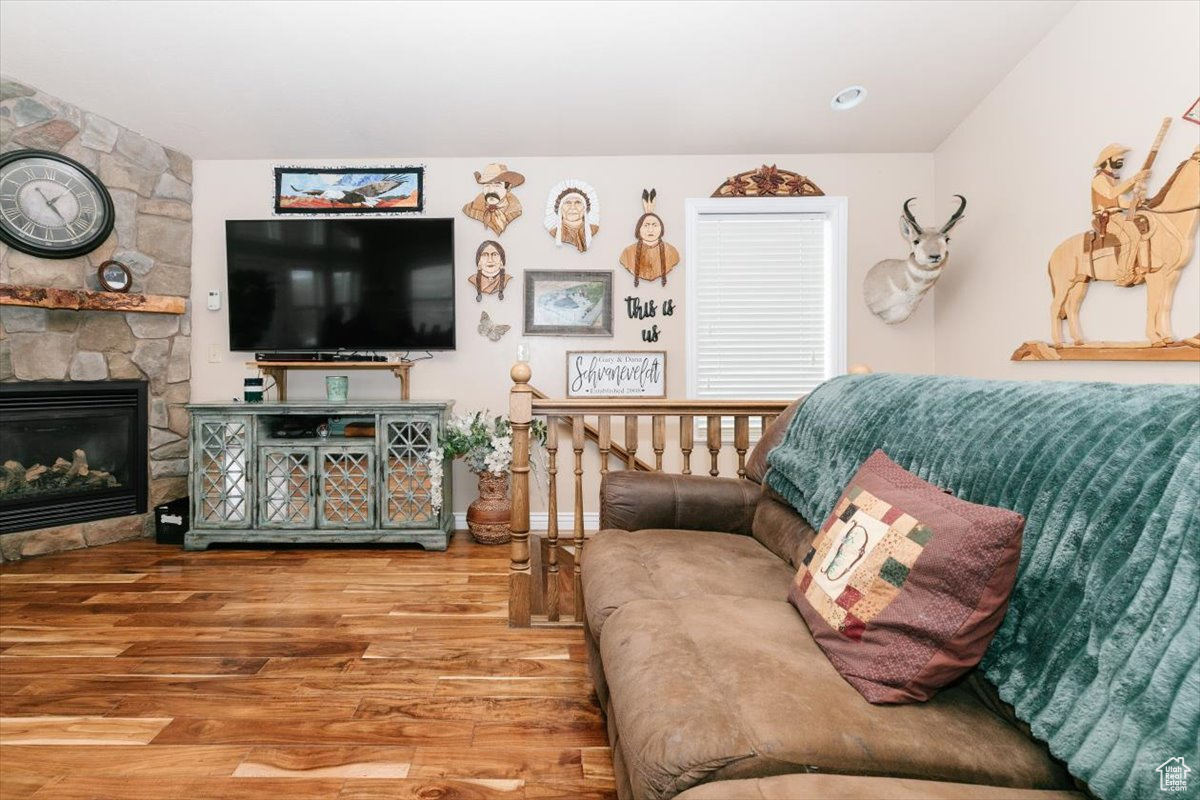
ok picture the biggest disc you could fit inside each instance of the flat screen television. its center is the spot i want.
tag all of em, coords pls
(325, 285)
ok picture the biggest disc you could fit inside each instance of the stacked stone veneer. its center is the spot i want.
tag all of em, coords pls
(151, 188)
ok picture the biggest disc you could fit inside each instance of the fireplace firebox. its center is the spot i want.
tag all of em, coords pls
(71, 452)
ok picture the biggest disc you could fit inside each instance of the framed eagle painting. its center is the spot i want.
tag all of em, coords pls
(349, 190)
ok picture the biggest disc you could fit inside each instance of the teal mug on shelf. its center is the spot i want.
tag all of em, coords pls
(336, 388)
(253, 390)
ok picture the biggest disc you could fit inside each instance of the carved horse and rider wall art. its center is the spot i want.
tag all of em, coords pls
(1133, 241)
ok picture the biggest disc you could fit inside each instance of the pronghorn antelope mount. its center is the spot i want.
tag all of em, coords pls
(894, 287)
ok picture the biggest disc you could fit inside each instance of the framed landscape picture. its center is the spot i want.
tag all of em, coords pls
(568, 303)
(617, 373)
(349, 190)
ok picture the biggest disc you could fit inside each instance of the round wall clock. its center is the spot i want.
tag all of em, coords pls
(52, 206)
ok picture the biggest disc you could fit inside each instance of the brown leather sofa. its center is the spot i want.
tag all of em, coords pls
(714, 688)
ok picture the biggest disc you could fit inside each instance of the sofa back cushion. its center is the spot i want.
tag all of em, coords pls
(905, 585)
(756, 465)
(780, 529)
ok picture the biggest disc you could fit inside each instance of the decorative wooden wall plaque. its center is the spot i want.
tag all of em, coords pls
(768, 182)
(1134, 240)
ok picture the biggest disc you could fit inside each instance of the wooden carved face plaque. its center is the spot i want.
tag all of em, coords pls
(573, 214)
(490, 276)
(649, 258)
(495, 205)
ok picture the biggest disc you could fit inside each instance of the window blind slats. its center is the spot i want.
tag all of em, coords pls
(761, 283)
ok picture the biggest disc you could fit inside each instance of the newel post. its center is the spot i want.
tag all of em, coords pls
(520, 412)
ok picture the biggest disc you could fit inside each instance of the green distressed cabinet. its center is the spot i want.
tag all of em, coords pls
(259, 474)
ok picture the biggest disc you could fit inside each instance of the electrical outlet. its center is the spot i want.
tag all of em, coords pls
(214, 354)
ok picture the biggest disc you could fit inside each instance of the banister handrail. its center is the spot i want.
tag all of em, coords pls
(639, 406)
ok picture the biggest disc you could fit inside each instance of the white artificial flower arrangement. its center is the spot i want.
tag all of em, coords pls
(484, 442)
(435, 458)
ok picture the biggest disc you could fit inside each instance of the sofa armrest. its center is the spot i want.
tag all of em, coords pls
(631, 500)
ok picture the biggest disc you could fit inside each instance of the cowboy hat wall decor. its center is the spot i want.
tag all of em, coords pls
(1133, 240)
(573, 214)
(495, 205)
(650, 258)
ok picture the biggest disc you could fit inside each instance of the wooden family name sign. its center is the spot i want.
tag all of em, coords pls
(607, 373)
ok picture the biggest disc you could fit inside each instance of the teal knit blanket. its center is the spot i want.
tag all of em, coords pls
(1100, 648)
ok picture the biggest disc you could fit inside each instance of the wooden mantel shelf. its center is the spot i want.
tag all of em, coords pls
(85, 300)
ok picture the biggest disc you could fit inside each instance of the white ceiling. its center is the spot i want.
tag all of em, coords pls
(325, 79)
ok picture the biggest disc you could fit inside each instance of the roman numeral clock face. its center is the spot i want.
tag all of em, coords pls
(52, 206)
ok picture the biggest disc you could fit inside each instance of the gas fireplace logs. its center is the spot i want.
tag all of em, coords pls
(15, 478)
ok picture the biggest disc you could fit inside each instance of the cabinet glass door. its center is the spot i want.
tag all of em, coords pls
(220, 483)
(407, 489)
(286, 487)
(346, 478)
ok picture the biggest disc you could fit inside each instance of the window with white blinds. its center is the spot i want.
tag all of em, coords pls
(766, 293)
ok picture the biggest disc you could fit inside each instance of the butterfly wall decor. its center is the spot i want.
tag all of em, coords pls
(490, 329)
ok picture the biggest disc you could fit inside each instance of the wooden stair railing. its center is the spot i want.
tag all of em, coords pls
(602, 436)
(535, 591)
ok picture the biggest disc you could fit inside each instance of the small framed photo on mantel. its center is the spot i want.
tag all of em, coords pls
(617, 373)
(568, 303)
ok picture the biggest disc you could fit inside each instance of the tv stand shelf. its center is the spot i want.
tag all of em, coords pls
(249, 484)
(278, 370)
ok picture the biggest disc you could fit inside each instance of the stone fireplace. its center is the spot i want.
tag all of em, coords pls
(71, 452)
(152, 194)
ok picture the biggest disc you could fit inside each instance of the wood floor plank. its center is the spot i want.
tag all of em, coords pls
(15, 786)
(326, 762)
(180, 762)
(516, 710)
(218, 706)
(306, 731)
(14, 577)
(139, 671)
(568, 791)
(512, 687)
(542, 733)
(89, 788)
(454, 649)
(512, 761)
(598, 766)
(482, 789)
(247, 649)
(167, 597)
(173, 667)
(463, 666)
(74, 705)
(81, 730)
(64, 650)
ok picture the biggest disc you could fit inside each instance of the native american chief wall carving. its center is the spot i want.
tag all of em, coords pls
(572, 214)
(1133, 240)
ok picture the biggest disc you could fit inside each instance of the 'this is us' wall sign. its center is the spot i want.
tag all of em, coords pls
(609, 373)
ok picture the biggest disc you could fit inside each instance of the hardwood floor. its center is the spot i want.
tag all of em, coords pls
(139, 671)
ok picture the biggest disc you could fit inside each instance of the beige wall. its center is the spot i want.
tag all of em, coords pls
(1108, 72)
(476, 374)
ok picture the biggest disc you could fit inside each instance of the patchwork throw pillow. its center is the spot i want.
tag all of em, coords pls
(905, 585)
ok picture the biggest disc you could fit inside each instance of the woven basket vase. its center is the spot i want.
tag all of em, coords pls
(488, 517)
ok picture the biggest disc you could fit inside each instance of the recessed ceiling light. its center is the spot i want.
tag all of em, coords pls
(848, 98)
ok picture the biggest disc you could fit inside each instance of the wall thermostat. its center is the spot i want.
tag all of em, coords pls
(214, 300)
